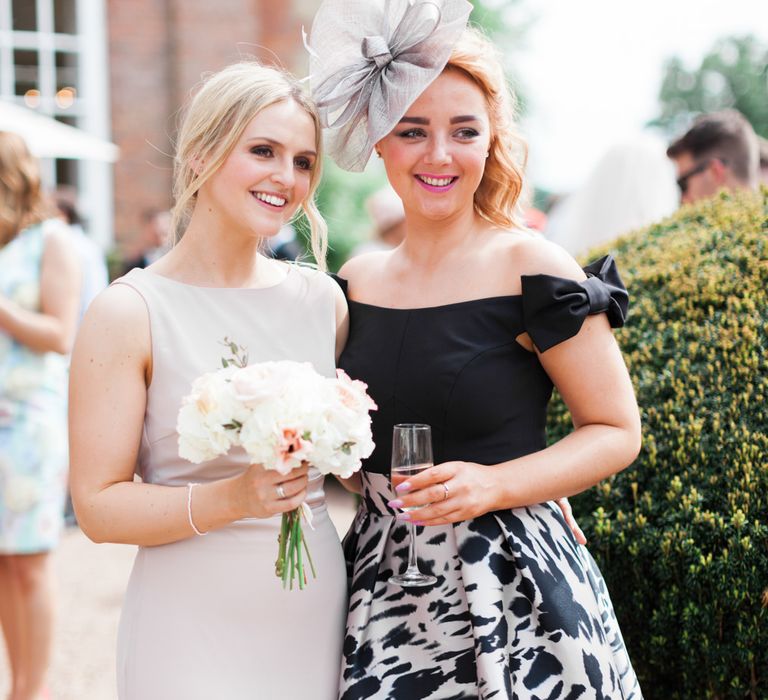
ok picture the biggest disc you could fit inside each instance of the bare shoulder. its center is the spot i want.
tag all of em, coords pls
(116, 324)
(58, 242)
(532, 254)
(363, 266)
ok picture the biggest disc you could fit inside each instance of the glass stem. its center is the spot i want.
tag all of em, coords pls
(413, 564)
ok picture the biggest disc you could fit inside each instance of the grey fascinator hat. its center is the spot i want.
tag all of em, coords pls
(370, 59)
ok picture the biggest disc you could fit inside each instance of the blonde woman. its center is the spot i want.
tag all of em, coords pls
(39, 299)
(204, 614)
(466, 326)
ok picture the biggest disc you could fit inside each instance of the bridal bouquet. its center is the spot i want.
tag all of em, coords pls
(282, 414)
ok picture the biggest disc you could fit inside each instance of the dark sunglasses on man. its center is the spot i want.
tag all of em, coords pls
(682, 181)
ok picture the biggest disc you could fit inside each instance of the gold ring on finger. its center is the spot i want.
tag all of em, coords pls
(447, 492)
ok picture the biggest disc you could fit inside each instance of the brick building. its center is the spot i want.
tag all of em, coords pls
(158, 50)
(122, 69)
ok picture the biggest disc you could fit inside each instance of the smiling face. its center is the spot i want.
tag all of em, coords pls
(267, 174)
(435, 156)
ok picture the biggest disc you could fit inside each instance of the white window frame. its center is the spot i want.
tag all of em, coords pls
(90, 109)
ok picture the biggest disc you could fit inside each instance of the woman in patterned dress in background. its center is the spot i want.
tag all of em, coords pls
(39, 298)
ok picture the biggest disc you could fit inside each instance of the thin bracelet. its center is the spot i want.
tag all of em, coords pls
(190, 486)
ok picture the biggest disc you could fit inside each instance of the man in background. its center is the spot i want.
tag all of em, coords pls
(153, 240)
(720, 151)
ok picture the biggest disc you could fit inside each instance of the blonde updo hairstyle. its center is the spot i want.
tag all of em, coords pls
(497, 197)
(215, 120)
(21, 195)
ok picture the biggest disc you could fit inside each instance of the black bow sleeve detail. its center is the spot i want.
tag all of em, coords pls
(554, 308)
(341, 282)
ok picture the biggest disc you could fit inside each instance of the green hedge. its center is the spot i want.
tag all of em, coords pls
(682, 535)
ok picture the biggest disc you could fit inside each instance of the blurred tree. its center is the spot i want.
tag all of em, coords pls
(341, 200)
(494, 16)
(733, 74)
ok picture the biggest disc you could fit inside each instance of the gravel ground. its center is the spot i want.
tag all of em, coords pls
(91, 580)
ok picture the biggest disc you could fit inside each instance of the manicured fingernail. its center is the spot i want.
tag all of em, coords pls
(405, 486)
(397, 503)
(403, 516)
(418, 522)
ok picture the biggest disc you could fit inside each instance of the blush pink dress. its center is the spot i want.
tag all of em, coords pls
(206, 617)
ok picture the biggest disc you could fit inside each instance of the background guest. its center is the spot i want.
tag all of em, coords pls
(39, 299)
(153, 241)
(720, 151)
(284, 245)
(388, 216)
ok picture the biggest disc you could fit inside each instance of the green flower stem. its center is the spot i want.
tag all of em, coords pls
(292, 555)
(290, 565)
(309, 556)
(282, 541)
(297, 541)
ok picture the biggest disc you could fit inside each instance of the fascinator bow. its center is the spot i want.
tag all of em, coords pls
(370, 59)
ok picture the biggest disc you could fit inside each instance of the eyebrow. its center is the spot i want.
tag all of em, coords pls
(278, 143)
(453, 120)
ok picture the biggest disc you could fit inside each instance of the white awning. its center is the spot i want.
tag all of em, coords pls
(48, 138)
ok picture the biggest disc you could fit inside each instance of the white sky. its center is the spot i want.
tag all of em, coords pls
(592, 69)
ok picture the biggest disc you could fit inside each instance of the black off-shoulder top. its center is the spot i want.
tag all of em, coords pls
(459, 368)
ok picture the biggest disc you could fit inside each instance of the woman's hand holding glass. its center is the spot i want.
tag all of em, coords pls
(447, 493)
(455, 491)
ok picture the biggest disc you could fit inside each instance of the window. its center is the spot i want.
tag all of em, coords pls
(27, 76)
(40, 61)
(64, 17)
(53, 59)
(24, 14)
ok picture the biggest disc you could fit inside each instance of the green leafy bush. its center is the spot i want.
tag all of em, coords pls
(682, 535)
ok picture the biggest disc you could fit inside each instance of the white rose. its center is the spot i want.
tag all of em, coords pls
(259, 437)
(207, 418)
(198, 440)
(281, 413)
(353, 393)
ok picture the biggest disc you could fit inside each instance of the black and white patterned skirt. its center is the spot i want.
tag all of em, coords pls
(520, 611)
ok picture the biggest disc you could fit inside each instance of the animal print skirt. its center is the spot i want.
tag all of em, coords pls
(519, 611)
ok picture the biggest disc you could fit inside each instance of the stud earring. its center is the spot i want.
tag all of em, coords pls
(487, 153)
(378, 153)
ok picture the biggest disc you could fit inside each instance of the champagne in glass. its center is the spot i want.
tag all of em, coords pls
(411, 454)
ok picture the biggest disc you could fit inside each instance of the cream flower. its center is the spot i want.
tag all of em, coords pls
(282, 414)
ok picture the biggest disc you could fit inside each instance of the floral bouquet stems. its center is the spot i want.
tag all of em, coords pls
(289, 564)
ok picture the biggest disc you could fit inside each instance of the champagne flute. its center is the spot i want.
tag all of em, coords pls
(411, 454)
